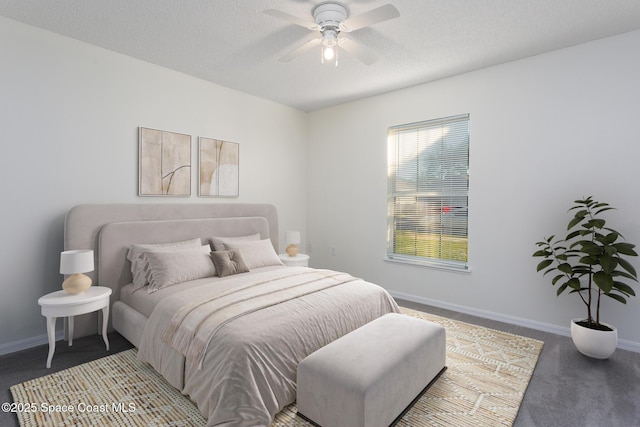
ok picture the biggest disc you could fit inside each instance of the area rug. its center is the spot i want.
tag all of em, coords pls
(488, 373)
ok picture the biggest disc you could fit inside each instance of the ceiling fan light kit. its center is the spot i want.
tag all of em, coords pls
(329, 43)
(331, 19)
(328, 16)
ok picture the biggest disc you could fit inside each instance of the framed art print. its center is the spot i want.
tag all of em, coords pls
(165, 163)
(219, 168)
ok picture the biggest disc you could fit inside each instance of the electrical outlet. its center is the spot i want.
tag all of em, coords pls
(309, 248)
(333, 250)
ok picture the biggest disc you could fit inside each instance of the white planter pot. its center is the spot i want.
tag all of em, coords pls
(594, 343)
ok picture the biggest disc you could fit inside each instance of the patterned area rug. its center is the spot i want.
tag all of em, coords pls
(488, 373)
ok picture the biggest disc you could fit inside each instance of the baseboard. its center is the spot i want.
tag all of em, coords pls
(519, 321)
(12, 347)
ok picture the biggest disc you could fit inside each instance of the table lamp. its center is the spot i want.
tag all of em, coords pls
(292, 238)
(75, 263)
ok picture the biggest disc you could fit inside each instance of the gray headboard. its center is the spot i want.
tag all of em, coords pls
(83, 224)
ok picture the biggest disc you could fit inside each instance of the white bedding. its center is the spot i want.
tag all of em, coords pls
(249, 368)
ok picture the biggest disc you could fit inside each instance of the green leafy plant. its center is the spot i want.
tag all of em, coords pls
(590, 260)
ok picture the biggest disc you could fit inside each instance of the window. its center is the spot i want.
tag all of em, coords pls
(428, 192)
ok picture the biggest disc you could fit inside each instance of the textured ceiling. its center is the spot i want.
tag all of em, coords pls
(234, 44)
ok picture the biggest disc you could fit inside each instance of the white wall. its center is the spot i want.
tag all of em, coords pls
(544, 131)
(70, 112)
(69, 117)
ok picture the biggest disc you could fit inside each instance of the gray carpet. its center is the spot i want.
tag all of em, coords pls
(567, 388)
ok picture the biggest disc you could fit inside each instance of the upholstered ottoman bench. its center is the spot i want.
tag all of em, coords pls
(371, 376)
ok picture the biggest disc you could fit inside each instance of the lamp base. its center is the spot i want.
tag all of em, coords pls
(76, 283)
(292, 250)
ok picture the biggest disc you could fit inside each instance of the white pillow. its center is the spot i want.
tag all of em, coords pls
(256, 254)
(167, 268)
(218, 242)
(138, 265)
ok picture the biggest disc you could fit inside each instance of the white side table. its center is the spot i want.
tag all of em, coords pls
(62, 304)
(300, 260)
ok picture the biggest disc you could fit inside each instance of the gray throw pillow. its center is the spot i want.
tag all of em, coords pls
(229, 262)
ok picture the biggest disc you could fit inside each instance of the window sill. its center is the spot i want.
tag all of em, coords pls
(430, 265)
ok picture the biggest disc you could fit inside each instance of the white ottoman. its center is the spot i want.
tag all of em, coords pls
(369, 377)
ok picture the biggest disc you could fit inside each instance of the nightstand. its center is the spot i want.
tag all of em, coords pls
(62, 304)
(300, 260)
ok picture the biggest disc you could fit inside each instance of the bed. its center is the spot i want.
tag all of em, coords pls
(233, 343)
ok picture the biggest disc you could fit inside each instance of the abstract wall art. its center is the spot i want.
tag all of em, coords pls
(165, 163)
(219, 168)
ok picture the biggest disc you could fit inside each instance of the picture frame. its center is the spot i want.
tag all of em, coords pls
(164, 163)
(219, 168)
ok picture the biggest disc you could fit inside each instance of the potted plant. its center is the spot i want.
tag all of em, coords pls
(590, 262)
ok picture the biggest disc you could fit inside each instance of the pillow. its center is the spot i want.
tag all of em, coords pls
(256, 254)
(138, 265)
(218, 242)
(228, 262)
(167, 268)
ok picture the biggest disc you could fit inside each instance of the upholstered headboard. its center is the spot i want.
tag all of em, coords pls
(84, 225)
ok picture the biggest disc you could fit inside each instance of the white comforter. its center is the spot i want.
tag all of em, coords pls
(249, 367)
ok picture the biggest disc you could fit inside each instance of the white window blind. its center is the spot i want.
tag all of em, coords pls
(428, 191)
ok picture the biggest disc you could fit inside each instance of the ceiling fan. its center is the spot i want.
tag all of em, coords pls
(331, 19)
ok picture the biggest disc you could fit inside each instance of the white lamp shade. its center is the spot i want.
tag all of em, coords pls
(292, 237)
(76, 261)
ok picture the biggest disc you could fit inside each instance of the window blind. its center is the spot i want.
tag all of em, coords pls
(428, 191)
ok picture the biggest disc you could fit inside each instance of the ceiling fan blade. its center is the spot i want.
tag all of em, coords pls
(292, 18)
(379, 14)
(308, 45)
(357, 50)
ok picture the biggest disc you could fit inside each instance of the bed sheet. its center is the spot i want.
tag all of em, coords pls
(144, 302)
